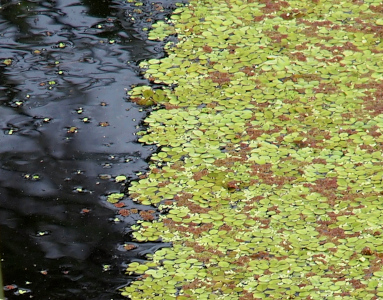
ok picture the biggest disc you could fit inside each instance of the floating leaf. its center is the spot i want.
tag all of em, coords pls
(120, 178)
(115, 197)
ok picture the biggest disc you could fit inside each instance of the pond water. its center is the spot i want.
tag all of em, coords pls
(67, 132)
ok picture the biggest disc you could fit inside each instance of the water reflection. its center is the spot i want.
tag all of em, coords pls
(66, 66)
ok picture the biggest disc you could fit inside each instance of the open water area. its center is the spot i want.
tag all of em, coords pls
(67, 130)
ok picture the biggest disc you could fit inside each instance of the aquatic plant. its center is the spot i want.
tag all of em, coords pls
(270, 170)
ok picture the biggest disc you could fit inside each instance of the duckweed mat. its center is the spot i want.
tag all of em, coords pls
(270, 170)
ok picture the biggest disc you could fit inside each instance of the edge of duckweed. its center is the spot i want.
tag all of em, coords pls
(269, 176)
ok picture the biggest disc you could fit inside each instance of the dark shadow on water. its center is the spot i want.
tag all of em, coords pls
(66, 132)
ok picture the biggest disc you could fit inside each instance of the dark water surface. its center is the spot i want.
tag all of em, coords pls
(67, 131)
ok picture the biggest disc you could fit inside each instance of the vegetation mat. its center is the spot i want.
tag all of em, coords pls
(270, 171)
